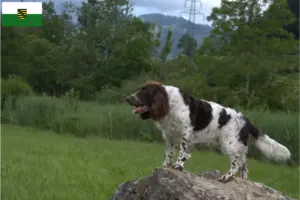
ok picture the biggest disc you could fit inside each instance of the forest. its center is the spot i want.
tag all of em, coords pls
(102, 51)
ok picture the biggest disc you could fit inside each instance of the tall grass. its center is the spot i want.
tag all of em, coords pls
(78, 118)
(67, 115)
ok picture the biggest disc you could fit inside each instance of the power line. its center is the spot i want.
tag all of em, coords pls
(192, 8)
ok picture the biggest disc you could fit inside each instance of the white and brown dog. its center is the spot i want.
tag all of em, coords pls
(185, 120)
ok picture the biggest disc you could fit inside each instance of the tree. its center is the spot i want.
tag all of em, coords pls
(241, 29)
(106, 46)
(159, 67)
(294, 27)
(121, 43)
(167, 47)
(188, 44)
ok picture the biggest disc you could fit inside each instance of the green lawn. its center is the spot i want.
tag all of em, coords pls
(42, 165)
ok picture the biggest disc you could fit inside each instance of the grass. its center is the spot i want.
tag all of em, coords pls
(68, 115)
(38, 164)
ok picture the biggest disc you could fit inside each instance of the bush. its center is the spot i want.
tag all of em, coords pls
(109, 95)
(13, 87)
(281, 93)
(113, 95)
(224, 80)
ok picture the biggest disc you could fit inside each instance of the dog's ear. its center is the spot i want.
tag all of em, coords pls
(160, 104)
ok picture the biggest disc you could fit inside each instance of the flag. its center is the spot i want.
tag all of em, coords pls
(22, 14)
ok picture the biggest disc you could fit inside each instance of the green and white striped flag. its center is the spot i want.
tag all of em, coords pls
(22, 13)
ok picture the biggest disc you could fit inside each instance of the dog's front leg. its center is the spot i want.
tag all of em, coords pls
(185, 150)
(169, 151)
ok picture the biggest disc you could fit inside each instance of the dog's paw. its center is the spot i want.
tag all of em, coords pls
(167, 165)
(244, 176)
(225, 178)
(178, 167)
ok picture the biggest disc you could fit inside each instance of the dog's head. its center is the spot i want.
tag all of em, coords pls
(150, 101)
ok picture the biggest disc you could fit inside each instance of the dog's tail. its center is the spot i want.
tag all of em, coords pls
(269, 147)
(272, 149)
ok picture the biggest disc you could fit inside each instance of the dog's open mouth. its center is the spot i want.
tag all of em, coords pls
(139, 109)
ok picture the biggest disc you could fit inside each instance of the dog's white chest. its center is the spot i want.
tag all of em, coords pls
(171, 128)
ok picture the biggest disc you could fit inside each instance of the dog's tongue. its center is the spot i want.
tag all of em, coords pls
(139, 109)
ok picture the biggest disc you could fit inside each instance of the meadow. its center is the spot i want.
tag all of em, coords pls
(38, 164)
(115, 121)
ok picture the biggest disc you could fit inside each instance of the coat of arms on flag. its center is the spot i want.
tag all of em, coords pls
(22, 13)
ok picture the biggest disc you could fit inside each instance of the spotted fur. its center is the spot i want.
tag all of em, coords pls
(188, 120)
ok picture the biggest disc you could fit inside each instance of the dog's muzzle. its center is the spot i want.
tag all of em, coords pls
(131, 100)
(138, 107)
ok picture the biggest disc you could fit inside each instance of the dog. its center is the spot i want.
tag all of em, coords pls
(185, 120)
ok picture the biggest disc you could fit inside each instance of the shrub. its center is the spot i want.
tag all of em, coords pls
(13, 87)
(117, 95)
(109, 95)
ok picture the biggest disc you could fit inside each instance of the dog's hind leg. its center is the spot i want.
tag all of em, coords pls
(235, 164)
(236, 151)
(244, 169)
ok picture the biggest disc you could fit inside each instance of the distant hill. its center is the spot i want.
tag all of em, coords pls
(179, 26)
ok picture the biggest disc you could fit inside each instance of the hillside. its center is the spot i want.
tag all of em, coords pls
(179, 26)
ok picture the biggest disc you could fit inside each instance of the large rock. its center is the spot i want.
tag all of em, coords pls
(168, 184)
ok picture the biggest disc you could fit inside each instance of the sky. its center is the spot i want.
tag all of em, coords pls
(167, 7)
(175, 8)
